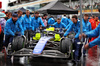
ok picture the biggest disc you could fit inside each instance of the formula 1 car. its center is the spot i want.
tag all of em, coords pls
(46, 43)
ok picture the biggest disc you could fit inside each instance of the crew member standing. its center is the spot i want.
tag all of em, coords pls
(92, 52)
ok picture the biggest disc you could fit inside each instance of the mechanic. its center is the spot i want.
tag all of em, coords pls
(11, 29)
(27, 24)
(75, 26)
(70, 22)
(86, 24)
(20, 18)
(51, 20)
(86, 27)
(27, 19)
(90, 34)
(92, 52)
(65, 20)
(59, 24)
(37, 21)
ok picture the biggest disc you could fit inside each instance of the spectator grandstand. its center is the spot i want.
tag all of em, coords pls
(86, 4)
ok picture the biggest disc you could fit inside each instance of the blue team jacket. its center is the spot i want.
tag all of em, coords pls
(61, 25)
(51, 21)
(37, 22)
(94, 33)
(11, 28)
(86, 26)
(27, 23)
(70, 22)
(65, 20)
(20, 19)
(73, 27)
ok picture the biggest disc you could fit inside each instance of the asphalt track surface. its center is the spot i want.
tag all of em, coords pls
(40, 61)
(30, 61)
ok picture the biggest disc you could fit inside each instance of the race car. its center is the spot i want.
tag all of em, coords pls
(45, 43)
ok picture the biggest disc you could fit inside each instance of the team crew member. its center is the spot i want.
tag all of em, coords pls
(51, 20)
(11, 28)
(70, 22)
(90, 34)
(86, 26)
(37, 21)
(75, 26)
(20, 18)
(92, 52)
(27, 19)
(59, 24)
(65, 20)
(94, 24)
(20, 13)
(27, 24)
